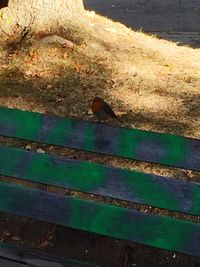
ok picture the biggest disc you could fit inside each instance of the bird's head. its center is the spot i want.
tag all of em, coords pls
(97, 99)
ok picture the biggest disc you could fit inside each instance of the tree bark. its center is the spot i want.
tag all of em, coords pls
(40, 16)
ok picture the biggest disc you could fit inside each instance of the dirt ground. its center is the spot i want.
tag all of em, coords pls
(151, 84)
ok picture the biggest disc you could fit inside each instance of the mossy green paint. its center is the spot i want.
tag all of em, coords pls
(9, 160)
(89, 137)
(195, 207)
(60, 132)
(78, 175)
(174, 147)
(150, 191)
(169, 149)
(24, 124)
(163, 232)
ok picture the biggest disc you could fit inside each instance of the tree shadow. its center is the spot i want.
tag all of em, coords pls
(67, 92)
(173, 20)
(151, 120)
(191, 102)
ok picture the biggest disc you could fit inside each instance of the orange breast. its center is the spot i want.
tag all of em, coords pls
(96, 106)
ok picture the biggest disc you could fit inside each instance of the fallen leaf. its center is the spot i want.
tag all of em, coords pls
(78, 68)
(28, 73)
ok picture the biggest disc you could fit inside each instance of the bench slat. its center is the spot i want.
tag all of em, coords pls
(135, 144)
(94, 178)
(28, 257)
(158, 231)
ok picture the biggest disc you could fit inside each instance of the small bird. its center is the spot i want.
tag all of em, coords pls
(102, 110)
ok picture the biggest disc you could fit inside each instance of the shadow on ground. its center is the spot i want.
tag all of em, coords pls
(173, 20)
(67, 91)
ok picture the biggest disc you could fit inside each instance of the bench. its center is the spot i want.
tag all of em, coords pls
(166, 193)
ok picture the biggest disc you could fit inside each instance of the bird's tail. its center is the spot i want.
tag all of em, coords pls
(119, 120)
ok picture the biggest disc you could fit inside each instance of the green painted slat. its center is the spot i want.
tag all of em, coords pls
(94, 178)
(163, 232)
(136, 144)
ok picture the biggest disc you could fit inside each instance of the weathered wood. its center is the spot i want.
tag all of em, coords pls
(136, 144)
(97, 179)
(13, 256)
(163, 232)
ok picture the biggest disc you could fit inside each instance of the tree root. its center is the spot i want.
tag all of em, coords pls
(55, 39)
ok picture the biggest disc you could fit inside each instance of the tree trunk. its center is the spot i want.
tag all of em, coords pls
(40, 16)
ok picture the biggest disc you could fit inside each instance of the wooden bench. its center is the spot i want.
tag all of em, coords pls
(122, 223)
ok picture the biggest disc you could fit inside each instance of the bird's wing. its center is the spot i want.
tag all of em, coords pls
(109, 110)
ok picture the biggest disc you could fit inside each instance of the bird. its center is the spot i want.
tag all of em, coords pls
(102, 110)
